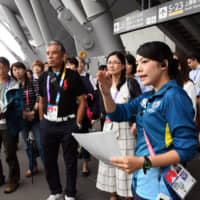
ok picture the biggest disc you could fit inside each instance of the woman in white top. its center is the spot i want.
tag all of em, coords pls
(110, 178)
(185, 82)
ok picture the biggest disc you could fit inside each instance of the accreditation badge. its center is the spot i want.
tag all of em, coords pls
(107, 124)
(179, 179)
(52, 112)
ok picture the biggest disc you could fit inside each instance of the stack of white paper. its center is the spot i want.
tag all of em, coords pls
(102, 145)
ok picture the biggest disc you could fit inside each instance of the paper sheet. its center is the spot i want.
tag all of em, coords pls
(102, 145)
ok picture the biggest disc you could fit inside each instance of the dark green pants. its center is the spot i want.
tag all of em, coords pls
(10, 146)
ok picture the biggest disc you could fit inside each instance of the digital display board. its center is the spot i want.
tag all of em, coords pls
(158, 14)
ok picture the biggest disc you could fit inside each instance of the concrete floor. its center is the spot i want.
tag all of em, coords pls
(86, 186)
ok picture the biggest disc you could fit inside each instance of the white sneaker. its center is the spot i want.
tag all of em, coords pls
(54, 197)
(69, 198)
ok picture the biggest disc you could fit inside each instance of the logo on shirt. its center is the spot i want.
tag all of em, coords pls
(153, 107)
(144, 102)
(156, 104)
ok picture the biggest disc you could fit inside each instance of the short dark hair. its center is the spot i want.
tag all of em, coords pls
(184, 69)
(56, 42)
(5, 61)
(29, 70)
(82, 59)
(193, 56)
(18, 65)
(131, 61)
(72, 60)
(119, 55)
(159, 51)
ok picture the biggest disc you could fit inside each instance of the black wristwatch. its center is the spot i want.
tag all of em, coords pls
(147, 164)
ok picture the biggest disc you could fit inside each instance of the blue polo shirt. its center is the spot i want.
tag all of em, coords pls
(167, 117)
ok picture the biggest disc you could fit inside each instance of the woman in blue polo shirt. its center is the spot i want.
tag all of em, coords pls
(165, 114)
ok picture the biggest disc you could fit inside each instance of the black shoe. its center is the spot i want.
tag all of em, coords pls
(85, 174)
(2, 180)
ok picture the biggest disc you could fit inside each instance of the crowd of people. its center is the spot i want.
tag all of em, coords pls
(155, 96)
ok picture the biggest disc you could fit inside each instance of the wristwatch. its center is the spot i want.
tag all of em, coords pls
(147, 164)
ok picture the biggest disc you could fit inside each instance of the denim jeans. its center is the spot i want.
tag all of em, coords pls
(33, 126)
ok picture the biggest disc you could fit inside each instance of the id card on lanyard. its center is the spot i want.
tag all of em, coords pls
(179, 179)
(176, 176)
(5, 92)
(108, 123)
(52, 110)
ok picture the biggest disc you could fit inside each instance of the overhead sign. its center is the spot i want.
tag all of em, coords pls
(158, 14)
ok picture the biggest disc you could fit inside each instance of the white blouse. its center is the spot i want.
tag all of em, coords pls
(191, 91)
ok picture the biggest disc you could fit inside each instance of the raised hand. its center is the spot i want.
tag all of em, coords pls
(105, 82)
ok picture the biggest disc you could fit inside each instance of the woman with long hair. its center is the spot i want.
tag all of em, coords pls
(185, 82)
(30, 115)
(111, 179)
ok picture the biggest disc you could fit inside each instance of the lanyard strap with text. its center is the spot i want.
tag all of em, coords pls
(61, 83)
(150, 148)
(6, 89)
(27, 98)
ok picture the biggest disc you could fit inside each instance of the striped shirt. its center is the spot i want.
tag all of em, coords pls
(31, 95)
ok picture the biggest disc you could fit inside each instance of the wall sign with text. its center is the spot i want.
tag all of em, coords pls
(158, 14)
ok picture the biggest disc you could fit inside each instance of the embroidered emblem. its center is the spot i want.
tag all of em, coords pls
(156, 104)
(150, 110)
(144, 102)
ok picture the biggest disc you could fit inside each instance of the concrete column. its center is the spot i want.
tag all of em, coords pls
(76, 10)
(92, 8)
(102, 24)
(41, 20)
(30, 21)
(18, 33)
(10, 50)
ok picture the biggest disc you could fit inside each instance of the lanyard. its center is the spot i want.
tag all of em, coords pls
(27, 98)
(115, 95)
(5, 92)
(150, 148)
(58, 93)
